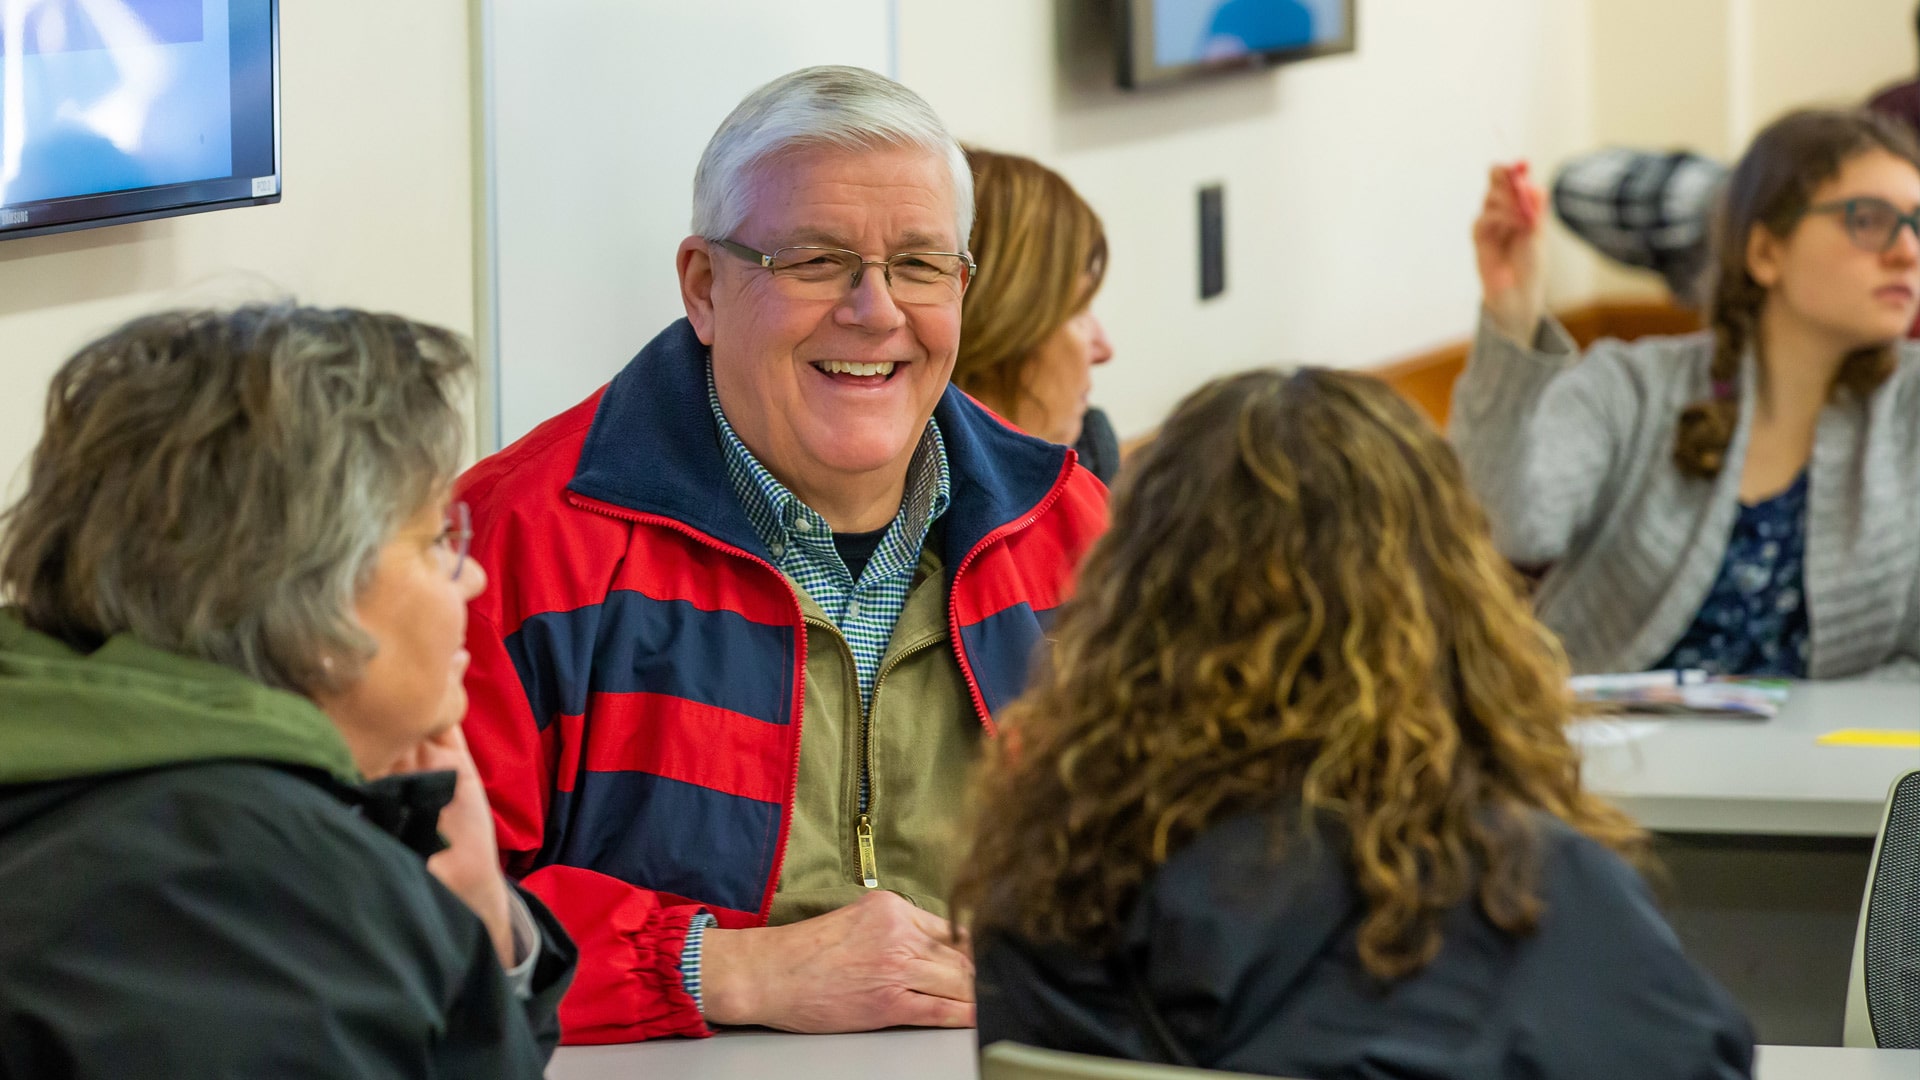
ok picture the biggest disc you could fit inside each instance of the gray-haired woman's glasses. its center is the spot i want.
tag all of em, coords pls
(1872, 224)
(812, 272)
(456, 535)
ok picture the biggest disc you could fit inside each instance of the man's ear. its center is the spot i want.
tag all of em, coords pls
(1765, 253)
(694, 262)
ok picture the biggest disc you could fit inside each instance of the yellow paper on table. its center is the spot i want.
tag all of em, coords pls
(1890, 740)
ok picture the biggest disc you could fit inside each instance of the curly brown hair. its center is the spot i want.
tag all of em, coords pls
(1298, 609)
(1771, 188)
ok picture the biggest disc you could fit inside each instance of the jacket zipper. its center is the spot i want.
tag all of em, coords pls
(863, 824)
(800, 658)
(994, 537)
(869, 867)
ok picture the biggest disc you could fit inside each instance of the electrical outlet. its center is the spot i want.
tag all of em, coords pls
(1213, 241)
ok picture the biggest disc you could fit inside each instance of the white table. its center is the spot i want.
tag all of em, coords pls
(949, 1055)
(1763, 835)
(1761, 777)
(1835, 1063)
(1754, 781)
(765, 1055)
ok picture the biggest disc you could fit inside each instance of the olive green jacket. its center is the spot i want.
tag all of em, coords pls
(194, 883)
(918, 742)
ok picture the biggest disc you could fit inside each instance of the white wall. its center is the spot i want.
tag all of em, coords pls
(588, 188)
(1666, 88)
(1707, 74)
(1806, 52)
(1350, 181)
(377, 212)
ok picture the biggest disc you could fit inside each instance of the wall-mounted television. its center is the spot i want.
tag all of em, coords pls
(1167, 41)
(124, 110)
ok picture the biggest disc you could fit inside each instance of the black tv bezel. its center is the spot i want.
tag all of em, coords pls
(166, 200)
(1139, 71)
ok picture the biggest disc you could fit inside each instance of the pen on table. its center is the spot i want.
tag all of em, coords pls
(1638, 679)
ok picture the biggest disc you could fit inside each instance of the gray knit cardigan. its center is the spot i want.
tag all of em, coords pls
(1573, 459)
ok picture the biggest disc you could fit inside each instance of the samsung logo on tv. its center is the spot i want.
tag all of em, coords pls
(13, 217)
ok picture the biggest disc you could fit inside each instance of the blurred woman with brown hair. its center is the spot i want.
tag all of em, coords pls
(1742, 500)
(1031, 340)
(1295, 796)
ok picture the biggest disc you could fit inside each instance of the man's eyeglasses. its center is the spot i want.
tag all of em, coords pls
(1872, 224)
(812, 272)
(456, 535)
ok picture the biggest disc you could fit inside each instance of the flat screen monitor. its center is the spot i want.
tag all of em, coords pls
(124, 110)
(1166, 41)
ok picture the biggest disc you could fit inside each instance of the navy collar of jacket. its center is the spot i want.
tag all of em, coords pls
(653, 449)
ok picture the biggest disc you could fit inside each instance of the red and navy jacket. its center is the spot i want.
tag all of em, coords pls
(636, 683)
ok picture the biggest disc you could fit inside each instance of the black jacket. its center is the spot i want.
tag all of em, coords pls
(1253, 967)
(192, 884)
(1098, 446)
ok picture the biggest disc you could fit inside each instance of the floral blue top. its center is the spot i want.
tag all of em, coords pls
(1754, 620)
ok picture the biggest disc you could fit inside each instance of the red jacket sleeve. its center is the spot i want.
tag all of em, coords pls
(628, 986)
(541, 555)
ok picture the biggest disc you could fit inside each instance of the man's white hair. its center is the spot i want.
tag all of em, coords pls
(848, 108)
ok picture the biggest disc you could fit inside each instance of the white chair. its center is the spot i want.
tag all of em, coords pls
(1017, 1061)
(1883, 995)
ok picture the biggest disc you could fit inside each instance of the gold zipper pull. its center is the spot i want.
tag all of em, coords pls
(869, 869)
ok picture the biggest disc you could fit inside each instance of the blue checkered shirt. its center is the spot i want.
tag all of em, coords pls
(801, 543)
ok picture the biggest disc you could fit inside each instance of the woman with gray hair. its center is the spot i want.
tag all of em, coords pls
(238, 592)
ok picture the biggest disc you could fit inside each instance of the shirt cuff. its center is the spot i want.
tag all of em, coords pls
(690, 957)
(526, 946)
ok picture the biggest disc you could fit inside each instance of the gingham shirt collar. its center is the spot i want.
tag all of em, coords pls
(801, 541)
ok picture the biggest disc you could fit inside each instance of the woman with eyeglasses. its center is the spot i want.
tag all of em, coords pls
(1744, 500)
(240, 832)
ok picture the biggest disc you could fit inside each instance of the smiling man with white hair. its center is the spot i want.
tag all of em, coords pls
(760, 597)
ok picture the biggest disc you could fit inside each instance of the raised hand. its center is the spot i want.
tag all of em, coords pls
(878, 962)
(1507, 239)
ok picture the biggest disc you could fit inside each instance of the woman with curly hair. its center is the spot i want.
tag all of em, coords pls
(1295, 796)
(1742, 500)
